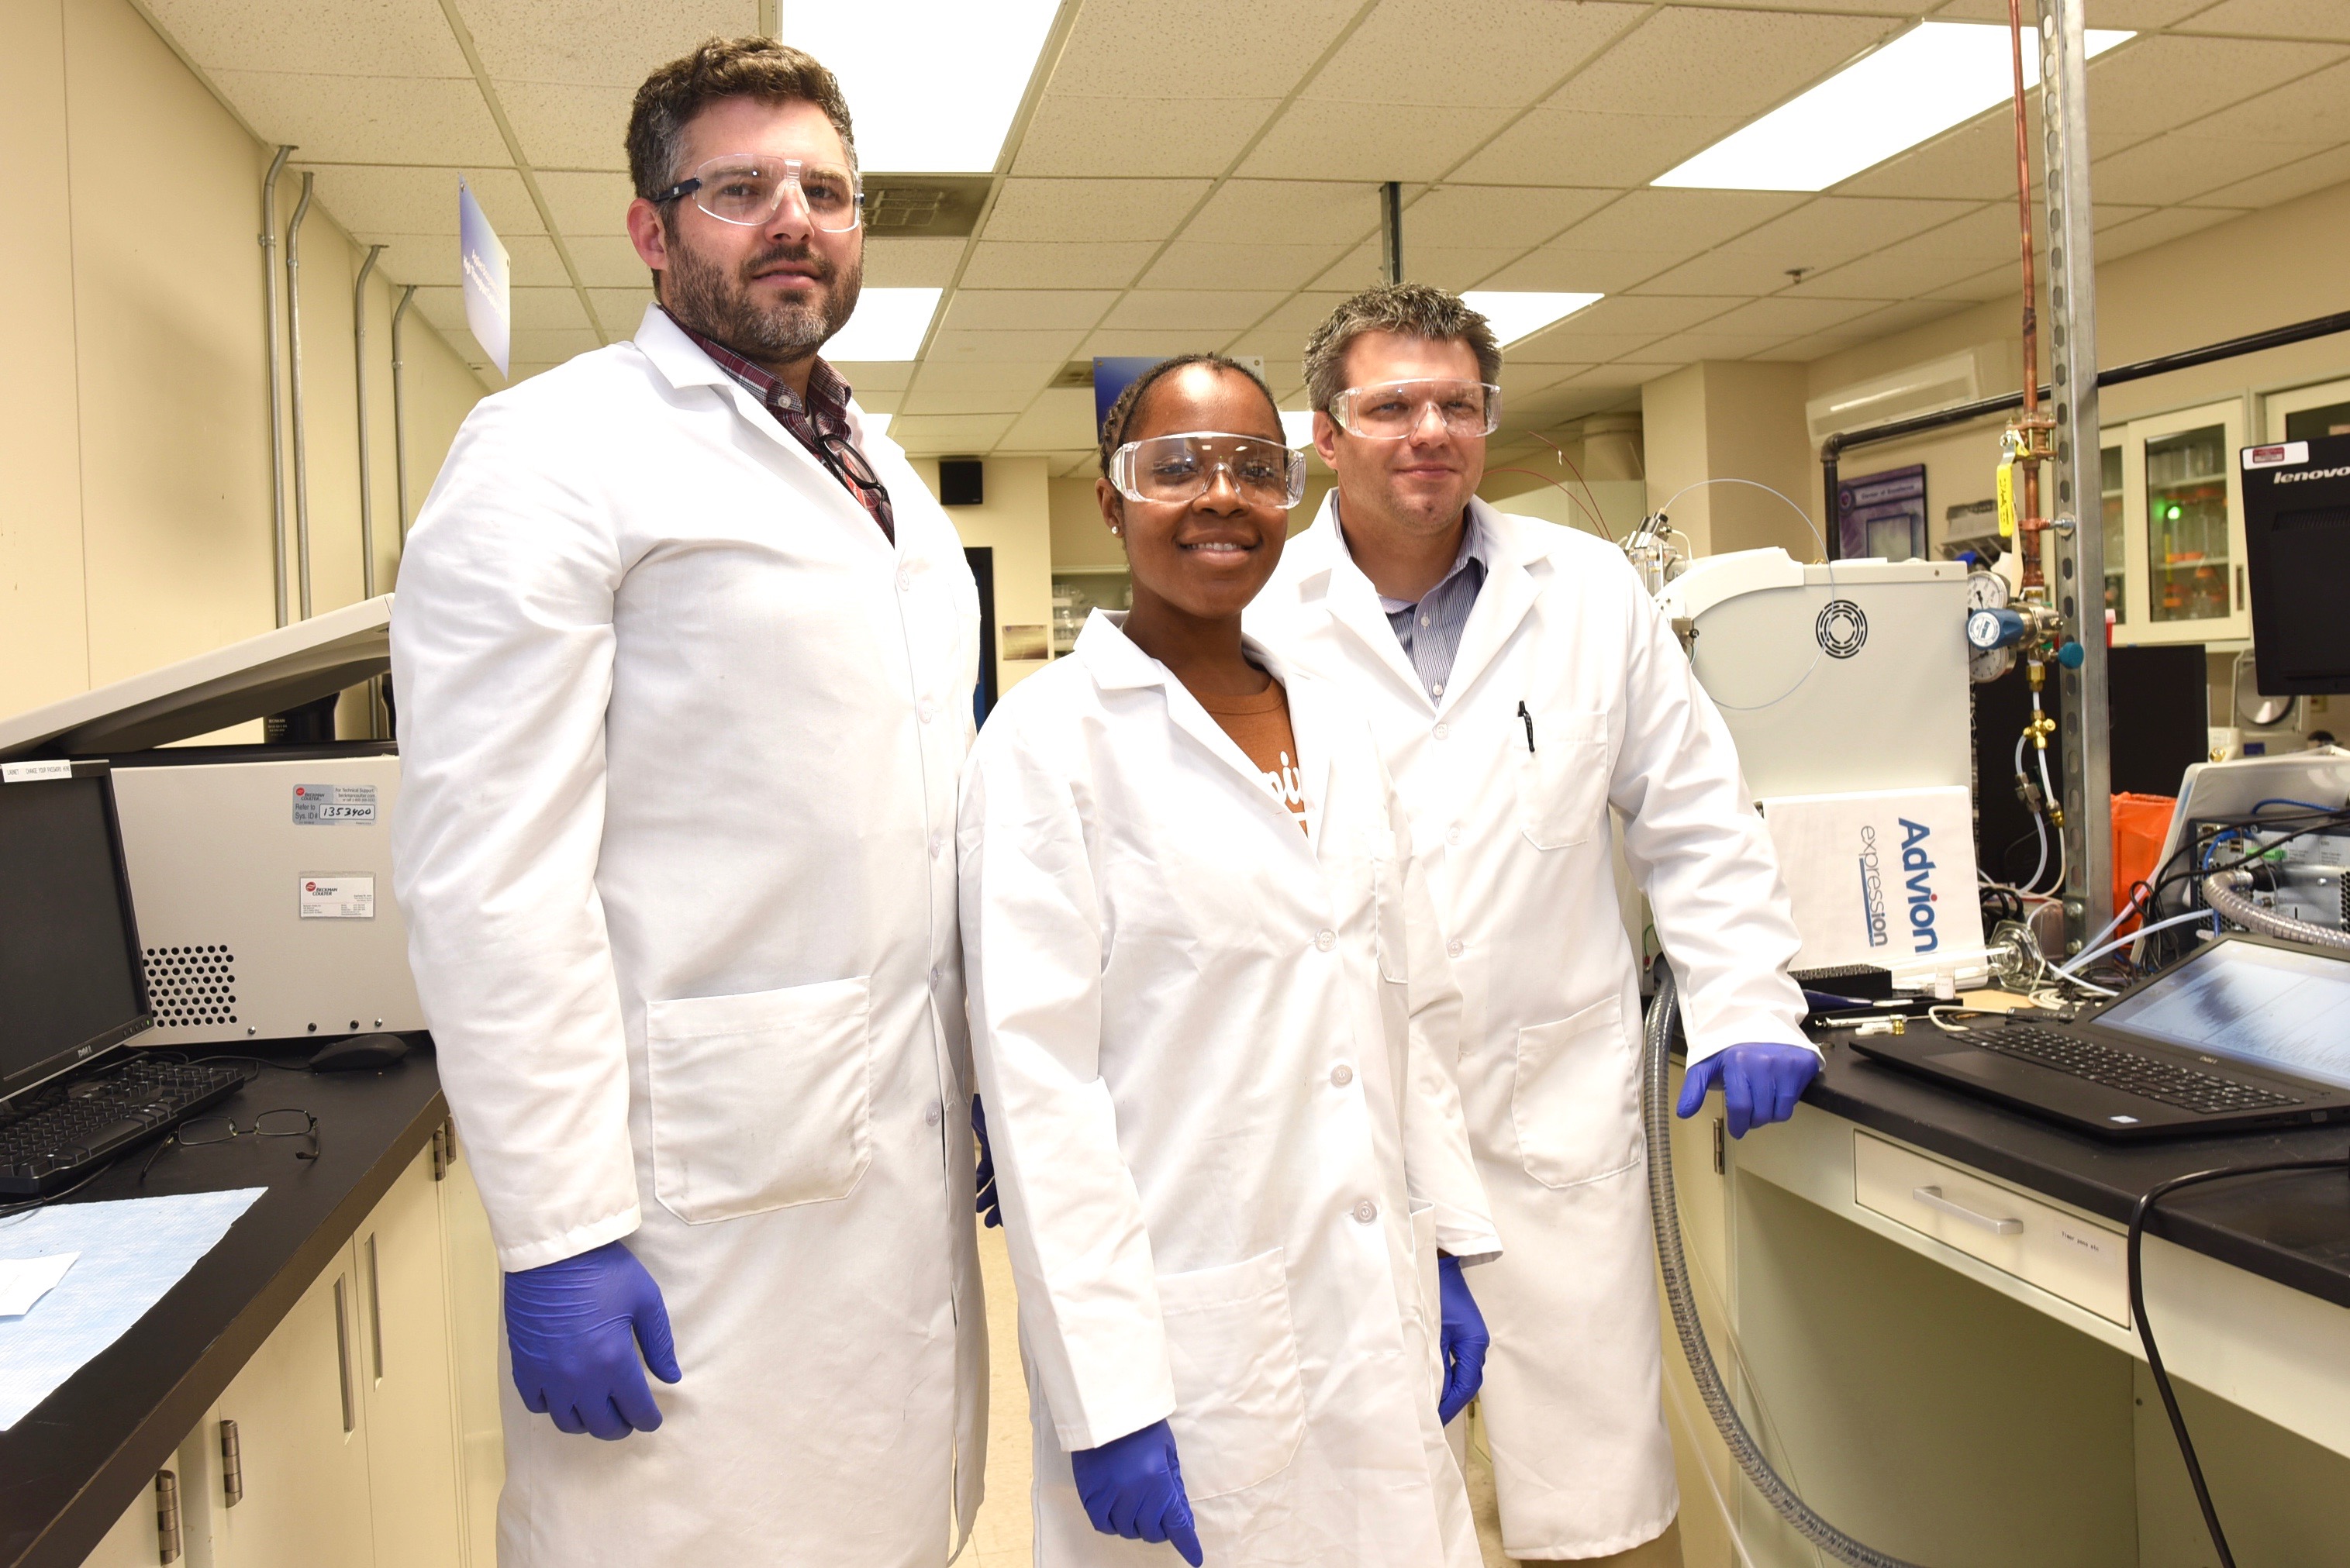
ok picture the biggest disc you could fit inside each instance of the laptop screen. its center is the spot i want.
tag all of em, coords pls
(2268, 1007)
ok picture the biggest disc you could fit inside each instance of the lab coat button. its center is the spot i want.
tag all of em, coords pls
(1443, 731)
(1453, 836)
(931, 1117)
(1326, 941)
(905, 579)
(926, 709)
(938, 845)
(1454, 948)
(1342, 1074)
(1366, 1211)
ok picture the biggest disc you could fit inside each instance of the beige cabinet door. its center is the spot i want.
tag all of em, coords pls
(303, 1440)
(475, 1324)
(133, 1542)
(403, 1375)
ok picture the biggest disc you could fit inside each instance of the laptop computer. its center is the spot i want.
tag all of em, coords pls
(2242, 1033)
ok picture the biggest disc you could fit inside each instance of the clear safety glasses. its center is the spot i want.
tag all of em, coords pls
(1182, 468)
(1393, 409)
(748, 188)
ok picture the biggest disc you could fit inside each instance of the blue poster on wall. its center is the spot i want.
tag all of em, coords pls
(1882, 516)
(489, 296)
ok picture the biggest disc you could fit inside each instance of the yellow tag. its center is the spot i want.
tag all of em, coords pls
(2007, 499)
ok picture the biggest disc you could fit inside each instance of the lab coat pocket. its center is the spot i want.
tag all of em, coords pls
(1563, 779)
(1240, 1402)
(1575, 1101)
(760, 1101)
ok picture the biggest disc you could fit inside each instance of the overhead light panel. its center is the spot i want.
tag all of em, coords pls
(890, 324)
(1297, 427)
(1516, 314)
(931, 85)
(1933, 77)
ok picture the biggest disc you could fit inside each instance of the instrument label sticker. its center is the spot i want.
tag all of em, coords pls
(333, 898)
(25, 772)
(334, 806)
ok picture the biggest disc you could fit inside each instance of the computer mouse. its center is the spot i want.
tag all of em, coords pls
(356, 1052)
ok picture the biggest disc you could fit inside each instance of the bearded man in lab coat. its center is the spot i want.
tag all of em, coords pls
(1522, 684)
(685, 656)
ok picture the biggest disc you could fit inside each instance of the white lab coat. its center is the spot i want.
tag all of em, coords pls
(1516, 846)
(680, 736)
(1214, 1055)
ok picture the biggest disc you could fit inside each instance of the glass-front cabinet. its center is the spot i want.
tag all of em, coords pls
(2116, 551)
(2182, 527)
(2306, 413)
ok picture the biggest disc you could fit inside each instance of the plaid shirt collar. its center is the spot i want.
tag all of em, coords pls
(825, 406)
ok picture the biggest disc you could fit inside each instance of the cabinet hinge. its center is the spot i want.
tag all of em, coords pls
(1721, 1149)
(167, 1517)
(443, 1144)
(231, 1466)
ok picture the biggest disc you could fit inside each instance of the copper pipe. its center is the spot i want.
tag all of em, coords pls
(2029, 525)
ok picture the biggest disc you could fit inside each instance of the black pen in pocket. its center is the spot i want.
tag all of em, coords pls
(1529, 719)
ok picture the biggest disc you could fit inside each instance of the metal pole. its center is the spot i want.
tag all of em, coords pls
(293, 346)
(359, 383)
(400, 412)
(2080, 587)
(277, 367)
(1391, 230)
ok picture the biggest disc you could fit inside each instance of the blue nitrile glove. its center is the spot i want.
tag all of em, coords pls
(574, 1327)
(1759, 1083)
(990, 1209)
(1463, 1337)
(1133, 1486)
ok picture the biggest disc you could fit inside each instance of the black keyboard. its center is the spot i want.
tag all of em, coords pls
(2148, 1077)
(52, 1136)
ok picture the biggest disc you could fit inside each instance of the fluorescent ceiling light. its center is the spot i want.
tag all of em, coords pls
(1931, 77)
(932, 85)
(889, 325)
(1297, 427)
(1516, 314)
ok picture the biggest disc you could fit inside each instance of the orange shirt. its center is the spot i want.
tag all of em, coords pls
(1259, 725)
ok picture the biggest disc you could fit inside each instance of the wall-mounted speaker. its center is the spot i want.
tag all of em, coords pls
(961, 482)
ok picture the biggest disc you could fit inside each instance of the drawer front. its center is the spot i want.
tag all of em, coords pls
(2080, 1260)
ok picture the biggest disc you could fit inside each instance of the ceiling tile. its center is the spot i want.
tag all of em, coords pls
(1301, 314)
(1899, 316)
(1059, 420)
(1975, 163)
(605, 261)
(1626, 373)
(1994, 282)
(1190, 264)
(531, 260)
(2158, 227)
(369, 120)
(1652, 314)
(1446, 267)
(586, 203)
(2179, 168)
(1003, 348)
(404, 38)
(1722, 273)
(564, 125)
(2273, 19)
(1715, 345)
(998, 263)
(1582, 349)
(1127, 138)
(1280, 351)
(1494, 215)
(1191, 310)
(1603, 272)
(443, 307)
(1093, 211)
(1835, 229)
(2315, 109)
(1520, 378)
(1010, 310)
(598, 44)
(2297, 179)
(1901, 272)
(1288, 212)
(949, 432)
(2137, 15)
(2153, 84)
(1790, 315)
(1735, 63)
(879, 377)
(926, 399)
(1497, 52)
(621, 310)
(1314, 139)
(1155, 342)
(1116, 43)
(1550, 145)
(1030, 376)
(1683, 220)
(910, 264)
(373, 199)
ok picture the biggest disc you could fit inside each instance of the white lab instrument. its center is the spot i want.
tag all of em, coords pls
(1885, 877)
(1569, 695)
(1219, 1098)
(680, 733)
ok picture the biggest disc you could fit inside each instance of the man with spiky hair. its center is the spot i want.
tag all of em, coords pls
(685, 655)
(1523, 687)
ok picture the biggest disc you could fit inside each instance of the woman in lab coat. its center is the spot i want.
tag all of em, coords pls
(1215, 1029)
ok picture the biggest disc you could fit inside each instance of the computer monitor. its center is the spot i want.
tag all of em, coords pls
(2263, 1005)
(2297, 539)
(71, 984)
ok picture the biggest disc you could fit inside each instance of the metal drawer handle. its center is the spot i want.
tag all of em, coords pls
(1931, 1197)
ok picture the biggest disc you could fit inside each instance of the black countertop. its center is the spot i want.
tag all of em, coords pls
(71, 1467)
(2293, 1227)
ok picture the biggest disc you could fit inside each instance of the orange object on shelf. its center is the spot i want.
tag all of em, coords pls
(2141, 823)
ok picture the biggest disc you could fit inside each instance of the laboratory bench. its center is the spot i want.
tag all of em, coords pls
(319, 1388)
(1934, 1337)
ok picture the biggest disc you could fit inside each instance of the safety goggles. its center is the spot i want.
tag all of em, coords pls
(1390, 410)
(1182, 468)
(749, 188)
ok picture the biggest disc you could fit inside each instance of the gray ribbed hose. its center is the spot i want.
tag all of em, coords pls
(1656, 1111)
(2224, 891)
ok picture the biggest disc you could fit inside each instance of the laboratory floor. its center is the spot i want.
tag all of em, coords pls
(1002, 1537)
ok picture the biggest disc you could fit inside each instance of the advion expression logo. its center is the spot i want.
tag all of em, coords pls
(1917, 867)
(1872, 889)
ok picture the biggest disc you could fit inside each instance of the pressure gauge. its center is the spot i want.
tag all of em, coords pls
(1986, 590)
